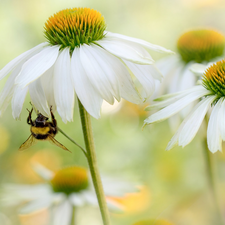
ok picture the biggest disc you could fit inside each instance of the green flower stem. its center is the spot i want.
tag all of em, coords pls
(210, 170)
(73, 216)
(92, 161)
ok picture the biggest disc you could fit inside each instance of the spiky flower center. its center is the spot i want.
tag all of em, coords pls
(200, 45)
(70, 180)
(153, 222)
(214, 79)
(74, 27)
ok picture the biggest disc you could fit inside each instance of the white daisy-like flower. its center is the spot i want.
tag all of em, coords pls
(80, 58)
(210, 93)
(68, 188)
(202, 46)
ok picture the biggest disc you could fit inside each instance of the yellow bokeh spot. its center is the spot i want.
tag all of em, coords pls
(4, 139)
(133, 202)
(40, 217)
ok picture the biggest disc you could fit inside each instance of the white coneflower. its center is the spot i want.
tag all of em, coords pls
(195, 46)
(210, 93)
(80, 58)
(68, 188)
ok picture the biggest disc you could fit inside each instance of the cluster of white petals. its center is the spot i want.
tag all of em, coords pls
(99, 71)
(171, 104)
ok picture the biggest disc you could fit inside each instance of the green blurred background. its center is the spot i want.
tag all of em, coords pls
(175, 181)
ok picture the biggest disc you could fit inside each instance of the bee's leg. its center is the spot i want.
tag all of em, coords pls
(53, 118)
(29, 120)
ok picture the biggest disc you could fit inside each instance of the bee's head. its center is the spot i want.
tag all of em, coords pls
(41, 120)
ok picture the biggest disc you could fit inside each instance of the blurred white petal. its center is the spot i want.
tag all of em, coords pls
(36, 205)
(62, 213)
(42, 171)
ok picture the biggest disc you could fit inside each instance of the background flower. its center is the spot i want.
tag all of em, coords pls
(69, 187)
(194, 46)
(210, 93)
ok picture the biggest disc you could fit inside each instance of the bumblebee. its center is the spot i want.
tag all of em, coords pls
(41, 129)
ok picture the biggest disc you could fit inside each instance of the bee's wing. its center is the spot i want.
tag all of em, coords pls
(54, 142)
(28, 143)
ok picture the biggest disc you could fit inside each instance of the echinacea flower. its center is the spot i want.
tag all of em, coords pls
(68, 188)
(195, 46)
(211, 93)
(153, 222)
(201, 46)
(80, 57)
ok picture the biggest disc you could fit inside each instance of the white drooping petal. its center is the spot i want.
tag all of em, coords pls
(38, 97)
(194, 121)
(18, 100)
(176, 106)
(42, 171)
(13, 194)
(90, 197)
(97, 78)
(116, 187)
(214, 139)
(77, 199)
(48, 86)
(124, 50)
(89, 97)
(21, 59)
(62, 213)
(142, 73)
(36, 205)
(167, 64)
(198, 69)
(7, 92)
(37, 65)
(222, 120)
(139, 41)
(63, 87)
(102, 61)
(155, 72)
(188, 79)
(168, 99)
